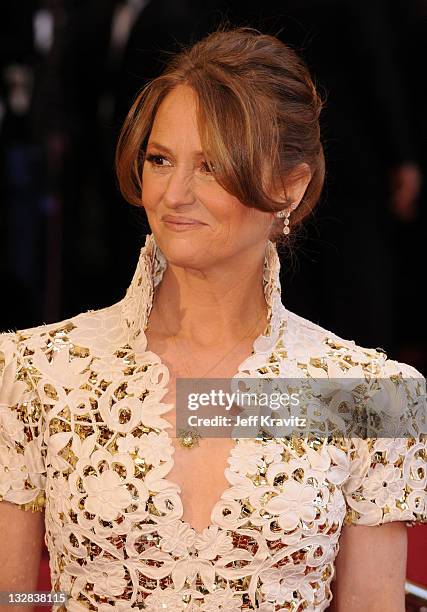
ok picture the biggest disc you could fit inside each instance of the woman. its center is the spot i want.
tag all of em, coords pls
(223, 152)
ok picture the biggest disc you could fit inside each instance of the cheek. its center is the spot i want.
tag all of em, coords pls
(226, 209)
(256, 225)
(230, 214)
(151, 192)
(254, 220)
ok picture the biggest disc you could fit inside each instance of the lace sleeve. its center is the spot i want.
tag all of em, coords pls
(388, 475)
(22, 451)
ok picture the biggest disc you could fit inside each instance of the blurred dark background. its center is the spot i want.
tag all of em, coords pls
(69, 70)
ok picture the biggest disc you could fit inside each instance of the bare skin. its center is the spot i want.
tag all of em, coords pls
(371, 569)
(21, 536)
(194, 469)
(211, 292)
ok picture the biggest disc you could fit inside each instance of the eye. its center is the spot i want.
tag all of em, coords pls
(156, 160)
(152, 159)
(208, 167)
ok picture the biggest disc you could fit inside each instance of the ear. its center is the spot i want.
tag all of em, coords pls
(293, 190)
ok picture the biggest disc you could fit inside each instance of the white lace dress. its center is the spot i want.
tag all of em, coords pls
(82, 437)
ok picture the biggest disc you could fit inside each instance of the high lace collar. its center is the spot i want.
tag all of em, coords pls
(138, 302)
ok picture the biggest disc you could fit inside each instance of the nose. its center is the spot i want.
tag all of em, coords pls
(179, 191)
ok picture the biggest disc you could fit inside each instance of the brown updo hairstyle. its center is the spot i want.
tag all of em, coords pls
(257, 110)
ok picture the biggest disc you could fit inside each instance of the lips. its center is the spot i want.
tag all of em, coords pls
(181, 220)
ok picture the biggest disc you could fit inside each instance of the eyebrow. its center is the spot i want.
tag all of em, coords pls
(156, 144)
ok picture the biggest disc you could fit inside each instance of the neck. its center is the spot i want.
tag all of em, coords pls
(211, 307)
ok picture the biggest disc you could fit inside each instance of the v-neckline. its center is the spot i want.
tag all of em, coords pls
(136, 308)
(198, 533)
(240, 370)
(172, 461)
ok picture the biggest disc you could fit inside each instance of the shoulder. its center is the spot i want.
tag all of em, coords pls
(396, 390)
(309, 342)
(55, 352)
(94, 330)
(310, 339)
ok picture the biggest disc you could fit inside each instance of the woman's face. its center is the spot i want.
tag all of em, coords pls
(177, 186)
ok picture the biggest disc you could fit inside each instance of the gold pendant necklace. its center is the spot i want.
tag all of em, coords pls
(189, 438)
